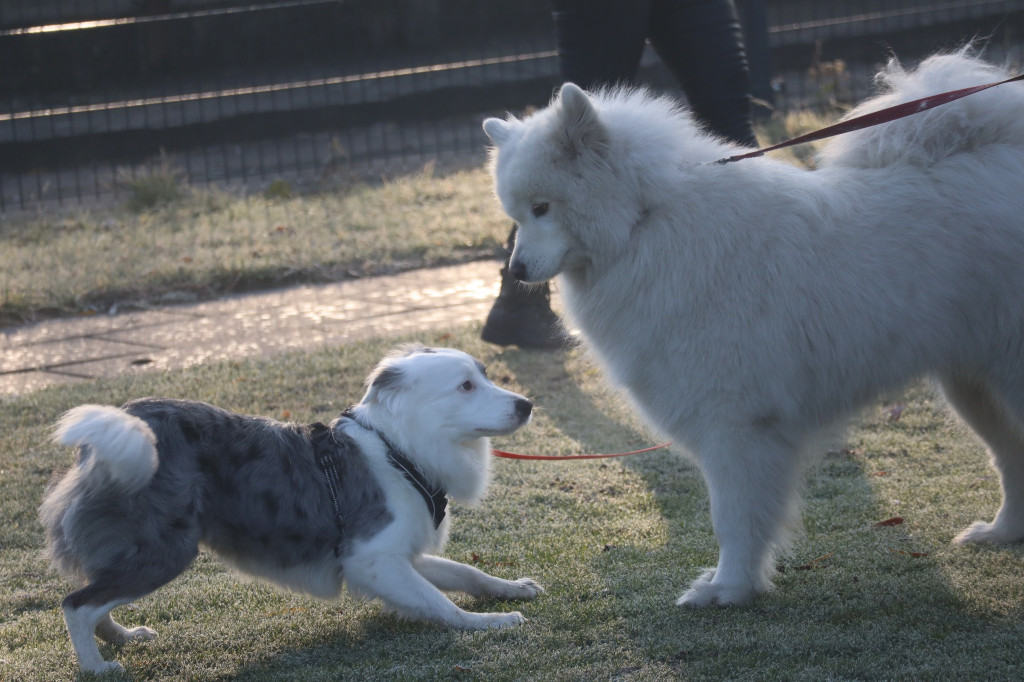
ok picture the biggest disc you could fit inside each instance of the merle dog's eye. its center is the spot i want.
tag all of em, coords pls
(539, 210)
(466, 386)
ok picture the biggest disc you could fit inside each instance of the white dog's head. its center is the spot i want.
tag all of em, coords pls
(532, 165)
(439, 407)
(582, 175)
(555, 177)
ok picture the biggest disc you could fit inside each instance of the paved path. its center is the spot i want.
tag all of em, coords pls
(245, 325)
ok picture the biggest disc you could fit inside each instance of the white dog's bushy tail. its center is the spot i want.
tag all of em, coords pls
(117, 448)
(989, 117)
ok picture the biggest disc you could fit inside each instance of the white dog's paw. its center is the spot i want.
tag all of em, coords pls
(705, 592)
(990, 533)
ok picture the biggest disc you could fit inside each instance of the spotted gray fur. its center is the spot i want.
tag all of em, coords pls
(242, 486)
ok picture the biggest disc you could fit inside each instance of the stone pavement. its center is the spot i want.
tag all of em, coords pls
(243, 325)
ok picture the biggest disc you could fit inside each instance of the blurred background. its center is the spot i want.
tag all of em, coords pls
(305, 95)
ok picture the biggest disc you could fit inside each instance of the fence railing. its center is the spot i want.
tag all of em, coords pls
(316, 92)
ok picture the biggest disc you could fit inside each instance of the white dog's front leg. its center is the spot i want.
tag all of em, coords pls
(753, 501)
(452, 576)
(409, 594)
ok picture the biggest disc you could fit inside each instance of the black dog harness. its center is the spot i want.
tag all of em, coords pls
(437, 501)
(329, 450)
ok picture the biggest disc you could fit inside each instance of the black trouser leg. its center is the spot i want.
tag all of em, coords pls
(600, 42)
(701, 43)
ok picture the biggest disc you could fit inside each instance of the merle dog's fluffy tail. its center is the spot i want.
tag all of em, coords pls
(117, 449)
(117, 457)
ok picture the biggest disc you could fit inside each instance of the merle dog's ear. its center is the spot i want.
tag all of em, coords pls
(381, 383)
(580, 125)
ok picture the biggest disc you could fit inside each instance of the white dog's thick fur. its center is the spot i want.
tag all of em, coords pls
(306, 507)
(747, 307)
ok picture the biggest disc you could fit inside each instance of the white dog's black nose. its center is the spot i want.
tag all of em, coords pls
(523, 407)
(517, 270)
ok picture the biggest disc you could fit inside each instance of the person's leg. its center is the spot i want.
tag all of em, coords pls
(600, 42)
(701, 43)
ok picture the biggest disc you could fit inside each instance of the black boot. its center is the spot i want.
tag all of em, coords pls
(521, 315)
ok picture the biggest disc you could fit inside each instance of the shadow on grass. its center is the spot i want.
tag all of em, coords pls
(845, 590)
(379, 646)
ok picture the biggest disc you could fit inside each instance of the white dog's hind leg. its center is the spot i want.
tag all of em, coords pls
(753, 493)
(451, 576)
(997, 423)
(409, 594)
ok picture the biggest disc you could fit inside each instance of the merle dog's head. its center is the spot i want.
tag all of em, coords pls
(438, 406)
(442, 392)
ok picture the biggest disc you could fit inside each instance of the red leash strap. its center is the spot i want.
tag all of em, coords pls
(513, 455)
(874, 118)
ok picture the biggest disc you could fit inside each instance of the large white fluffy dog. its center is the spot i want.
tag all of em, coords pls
(746, 307)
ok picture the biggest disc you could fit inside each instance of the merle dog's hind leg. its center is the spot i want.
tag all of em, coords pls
(87, 611)
(112, 632)
(83, 621)
(997, 417)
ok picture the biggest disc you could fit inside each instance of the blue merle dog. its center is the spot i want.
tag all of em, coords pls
(359, 502)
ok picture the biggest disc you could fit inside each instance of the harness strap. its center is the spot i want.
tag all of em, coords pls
(436, 501)
(325, 449)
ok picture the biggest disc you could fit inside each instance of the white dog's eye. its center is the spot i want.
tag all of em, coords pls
(539, 210)
(466, 386)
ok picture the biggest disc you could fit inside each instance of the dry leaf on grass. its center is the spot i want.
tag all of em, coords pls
(813, 563)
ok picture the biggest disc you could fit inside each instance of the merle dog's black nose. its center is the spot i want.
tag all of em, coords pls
(523, 407)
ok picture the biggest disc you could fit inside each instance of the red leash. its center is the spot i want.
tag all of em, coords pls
(874, 118)
(513, 455)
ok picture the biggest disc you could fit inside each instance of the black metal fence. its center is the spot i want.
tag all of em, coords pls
(243, 93)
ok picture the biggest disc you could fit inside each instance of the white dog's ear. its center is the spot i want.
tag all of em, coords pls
(581, 126)
(499, 131)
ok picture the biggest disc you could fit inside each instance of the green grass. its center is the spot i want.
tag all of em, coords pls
(614, 543)
(166, 247)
